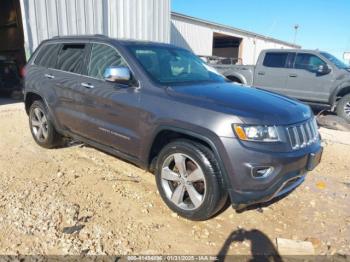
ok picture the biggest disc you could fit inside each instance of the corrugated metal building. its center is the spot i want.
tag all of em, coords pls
(25, 23)
(207, 38)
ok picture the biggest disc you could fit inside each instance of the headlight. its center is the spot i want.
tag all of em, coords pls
(257, 133)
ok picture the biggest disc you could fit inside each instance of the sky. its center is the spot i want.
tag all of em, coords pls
(323, 24)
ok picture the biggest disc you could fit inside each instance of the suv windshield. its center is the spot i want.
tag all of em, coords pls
(172, 66)
(335, 60)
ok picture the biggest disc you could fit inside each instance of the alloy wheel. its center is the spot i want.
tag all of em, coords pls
(183, 181)
(347, 108)
(39, 124)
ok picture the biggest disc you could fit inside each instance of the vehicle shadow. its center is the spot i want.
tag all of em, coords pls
(262, 248)
(69, 142)
(259, 206)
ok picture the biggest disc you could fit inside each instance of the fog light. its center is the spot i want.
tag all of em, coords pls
(261, 172)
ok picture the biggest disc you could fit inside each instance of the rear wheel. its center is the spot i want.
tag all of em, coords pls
(343, 108)
(41, 127)
(189, 180)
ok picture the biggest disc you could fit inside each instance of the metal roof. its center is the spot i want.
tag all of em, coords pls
(187, 17)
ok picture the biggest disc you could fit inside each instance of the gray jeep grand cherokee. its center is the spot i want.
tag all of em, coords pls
(163, 109)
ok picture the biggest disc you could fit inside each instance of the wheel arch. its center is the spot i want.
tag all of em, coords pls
(338, 93)
(166, 134)
(29, 99)
(235, 76)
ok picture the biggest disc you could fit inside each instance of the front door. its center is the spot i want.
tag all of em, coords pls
(111, 115)
(305, 83)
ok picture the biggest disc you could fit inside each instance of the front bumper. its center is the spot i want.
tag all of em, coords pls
(289, 171)
(244, 199)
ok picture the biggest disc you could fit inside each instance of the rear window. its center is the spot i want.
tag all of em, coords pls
(275, 59)
(47, 56)
(71, 57)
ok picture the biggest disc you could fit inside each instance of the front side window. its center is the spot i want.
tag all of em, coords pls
(308, 62)
(277, 59)
(102, 57)
(47, 56)
(171, 66)
(71, 58)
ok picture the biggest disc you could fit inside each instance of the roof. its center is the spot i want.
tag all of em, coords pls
(123, 41)
(178, 15)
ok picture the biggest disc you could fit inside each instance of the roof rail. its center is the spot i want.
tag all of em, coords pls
(97, 35)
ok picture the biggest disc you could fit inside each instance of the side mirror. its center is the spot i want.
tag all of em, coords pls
(323, 69)
(117, 74)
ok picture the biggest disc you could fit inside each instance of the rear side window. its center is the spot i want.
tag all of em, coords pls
(275, 59)
(47, 56)
(103, 56)
(71, 57)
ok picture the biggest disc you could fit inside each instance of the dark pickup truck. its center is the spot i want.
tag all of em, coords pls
(315, 77)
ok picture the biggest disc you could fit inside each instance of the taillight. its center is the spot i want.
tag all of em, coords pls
(22, 72)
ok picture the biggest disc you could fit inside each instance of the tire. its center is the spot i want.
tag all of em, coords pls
(195, 196)
(41, 127)
(343, 108)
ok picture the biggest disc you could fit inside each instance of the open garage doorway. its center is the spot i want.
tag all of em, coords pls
(11, 33)
(227, 46)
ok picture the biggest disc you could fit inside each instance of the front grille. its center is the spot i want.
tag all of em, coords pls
(304, 134)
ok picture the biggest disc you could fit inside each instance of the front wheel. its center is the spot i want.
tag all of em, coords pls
(189, 180)
(343, 108)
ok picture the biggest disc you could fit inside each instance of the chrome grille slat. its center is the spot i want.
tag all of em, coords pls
(307, 132)
(302, 135)
(302, 129)
(312, 130)
(297, 139)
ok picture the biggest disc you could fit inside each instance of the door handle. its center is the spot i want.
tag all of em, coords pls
(87, 85)
(293, 75)
(261, 73)
(49, 76)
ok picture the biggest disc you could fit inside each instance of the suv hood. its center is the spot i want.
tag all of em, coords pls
(251, 105)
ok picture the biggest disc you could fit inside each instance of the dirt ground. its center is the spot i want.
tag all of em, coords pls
(78, 200)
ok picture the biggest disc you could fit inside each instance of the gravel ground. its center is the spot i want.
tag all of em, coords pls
(78, 200)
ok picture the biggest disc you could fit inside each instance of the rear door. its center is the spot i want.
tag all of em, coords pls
(271, 74)
(305, 83)
(37, 74)
(111, 110)
(66, 78)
